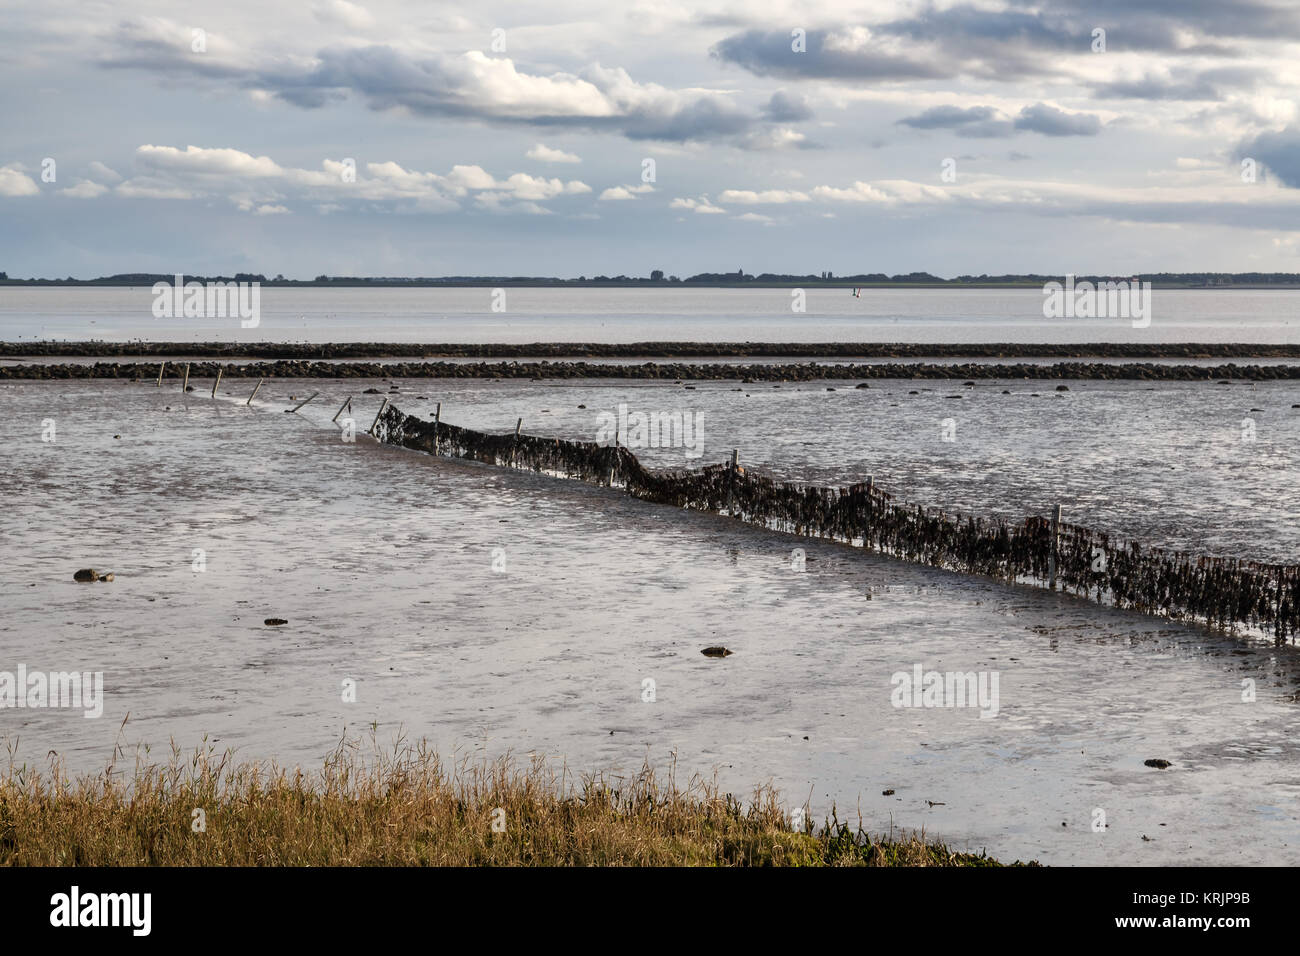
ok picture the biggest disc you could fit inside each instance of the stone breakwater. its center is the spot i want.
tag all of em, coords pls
(671, 371)
(580, 350)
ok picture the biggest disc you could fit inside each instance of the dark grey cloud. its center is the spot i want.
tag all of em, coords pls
(1048, 120)
(770, 53)
(985, 122)
(1279, 151)
(447, 85)
(1213, 84)
(976, 122)
(786, 107)
(1026, 41)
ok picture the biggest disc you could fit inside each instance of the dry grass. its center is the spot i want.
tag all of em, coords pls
(403, 807)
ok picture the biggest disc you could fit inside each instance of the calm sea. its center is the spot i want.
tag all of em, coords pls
(630, 315)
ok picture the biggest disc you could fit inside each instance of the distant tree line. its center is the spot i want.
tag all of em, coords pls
(657, 278)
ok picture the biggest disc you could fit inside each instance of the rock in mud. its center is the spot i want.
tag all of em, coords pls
(86, 575)
(274, 621)
(716, 652)
(1158, 764)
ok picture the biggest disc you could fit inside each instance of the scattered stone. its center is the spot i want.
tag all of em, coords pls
(1006, 391)
(913, 392)
(886, 793)
(106, 577)
(371, 391)
(582, 406)
(861, 385)
(716, 652)
(1158, 764)
(274, 621)
(117, 436)
(1062, 388)
(86, 575)
(189, 388)
(1257, 409)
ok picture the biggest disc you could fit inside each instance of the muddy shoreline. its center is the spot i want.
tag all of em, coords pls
(646, 350)
(794, 372)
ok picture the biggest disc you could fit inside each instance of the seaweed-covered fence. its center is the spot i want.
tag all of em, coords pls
(1221, 592)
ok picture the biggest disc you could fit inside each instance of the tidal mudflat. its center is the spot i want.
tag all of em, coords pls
(491, 611)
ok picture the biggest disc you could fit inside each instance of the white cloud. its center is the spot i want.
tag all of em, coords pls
(84, 189)
(545, 154)
(701, 205)
(350, 15)
(626, 192)
(103, 174)
(14, 182)
(258, 183)
(749, 197)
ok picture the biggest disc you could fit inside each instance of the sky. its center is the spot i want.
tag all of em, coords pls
(581, 138)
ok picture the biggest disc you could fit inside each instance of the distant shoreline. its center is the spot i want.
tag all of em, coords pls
(1161, 281)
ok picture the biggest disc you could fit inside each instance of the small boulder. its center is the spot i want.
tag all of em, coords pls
(86, 575)
(274, 621)
(718, 651)
(1158, 764)
(1062, 388)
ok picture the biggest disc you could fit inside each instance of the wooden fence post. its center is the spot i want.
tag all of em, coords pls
(254, 395)
(382, 406)
(518, 424)
(437, 423)
(185, 384)
(731, 481)
(347, 401)
(216, 383)
(161, 369)
(304, 402)
(1051, 558)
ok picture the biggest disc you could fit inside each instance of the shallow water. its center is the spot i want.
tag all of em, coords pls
(637, 315)
(381, 559)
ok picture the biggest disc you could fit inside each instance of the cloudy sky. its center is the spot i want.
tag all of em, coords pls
(580, 138)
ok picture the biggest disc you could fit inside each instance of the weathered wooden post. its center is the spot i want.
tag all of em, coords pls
(437, 423)
(382, 406)
(161, 369)
(185, 384)
(254, 395)
(346, 401)
(515, 445)
(731, 481)
(216, 383)
(1051, 558)
(304, 402)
